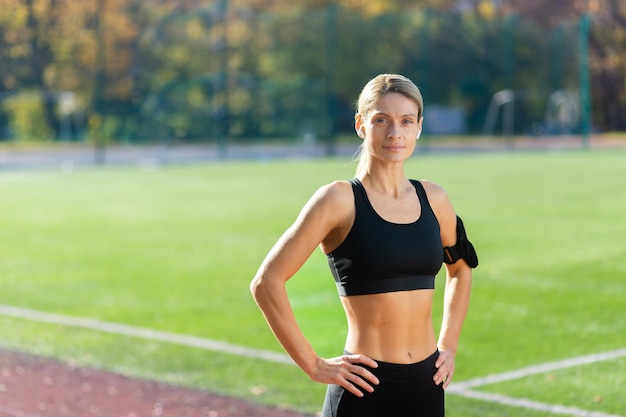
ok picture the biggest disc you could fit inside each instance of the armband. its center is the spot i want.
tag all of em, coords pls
(462, 249)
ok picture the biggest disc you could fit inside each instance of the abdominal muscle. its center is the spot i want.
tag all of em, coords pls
(393, 327)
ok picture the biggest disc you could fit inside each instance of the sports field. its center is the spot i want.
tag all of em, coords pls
(146, 272)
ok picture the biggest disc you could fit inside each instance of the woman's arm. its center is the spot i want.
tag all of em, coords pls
(322, 215)
(455, 306)
(457, 289)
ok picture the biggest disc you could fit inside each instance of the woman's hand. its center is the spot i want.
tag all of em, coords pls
(445, 368)
(347, 372)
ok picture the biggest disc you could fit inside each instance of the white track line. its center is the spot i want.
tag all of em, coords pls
(143, 333)
(462, 388)
(538, 369)
(530, 404)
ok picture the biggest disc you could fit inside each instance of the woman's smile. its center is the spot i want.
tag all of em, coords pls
(395, 147)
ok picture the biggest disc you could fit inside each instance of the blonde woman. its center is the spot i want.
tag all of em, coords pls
(385, 237)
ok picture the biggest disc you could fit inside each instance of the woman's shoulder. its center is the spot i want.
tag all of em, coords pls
(440, 203)
(339, 187)
(433, 190)
(438, 199)
(330, 208)
(336, 193)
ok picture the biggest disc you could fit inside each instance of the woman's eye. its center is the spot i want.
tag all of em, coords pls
(408, 122)
(380, 120)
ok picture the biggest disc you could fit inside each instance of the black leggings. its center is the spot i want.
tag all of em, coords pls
(403, 391)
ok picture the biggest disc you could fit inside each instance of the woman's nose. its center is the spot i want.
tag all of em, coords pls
(394, 131)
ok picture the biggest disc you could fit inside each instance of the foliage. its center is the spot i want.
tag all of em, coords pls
(27, 113)
(192, 70)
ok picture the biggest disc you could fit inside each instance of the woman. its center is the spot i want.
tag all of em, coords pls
(385, 238)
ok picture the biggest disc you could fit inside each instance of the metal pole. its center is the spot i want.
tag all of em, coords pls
(509, 51)
(224, 111)
(426, 38)
(585, 84)
(508, 116)
(331, 40)
(100, 79)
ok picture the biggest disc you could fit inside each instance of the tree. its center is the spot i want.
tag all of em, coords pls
(607, 57)
(193, 70)
(607, 49)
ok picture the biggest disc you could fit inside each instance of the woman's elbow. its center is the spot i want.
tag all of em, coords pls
(263, 287)
(256, 286)
(460, 270)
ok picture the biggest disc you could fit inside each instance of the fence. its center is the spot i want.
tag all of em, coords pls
(224, 75)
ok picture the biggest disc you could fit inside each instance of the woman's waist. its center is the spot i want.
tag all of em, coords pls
(400, 346)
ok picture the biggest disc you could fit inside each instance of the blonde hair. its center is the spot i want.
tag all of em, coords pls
(376, 88)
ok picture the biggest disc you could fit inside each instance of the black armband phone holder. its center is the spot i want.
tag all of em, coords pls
(462, 249)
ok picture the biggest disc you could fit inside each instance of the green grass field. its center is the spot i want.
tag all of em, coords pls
(174, 249)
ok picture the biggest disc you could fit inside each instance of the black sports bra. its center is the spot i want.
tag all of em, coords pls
(378, 256)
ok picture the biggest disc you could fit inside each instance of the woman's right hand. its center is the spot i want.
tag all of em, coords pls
(346, 371)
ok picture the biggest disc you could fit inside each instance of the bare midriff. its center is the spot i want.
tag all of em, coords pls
(393, 327)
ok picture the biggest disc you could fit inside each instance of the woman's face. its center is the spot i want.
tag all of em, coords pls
(390, 128)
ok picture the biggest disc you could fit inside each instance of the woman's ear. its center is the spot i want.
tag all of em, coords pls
(358, 126)
(420, 125)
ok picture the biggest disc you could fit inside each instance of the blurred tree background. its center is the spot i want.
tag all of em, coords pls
(208, 71)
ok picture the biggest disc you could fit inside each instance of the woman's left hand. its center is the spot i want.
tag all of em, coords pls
(445, 368)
